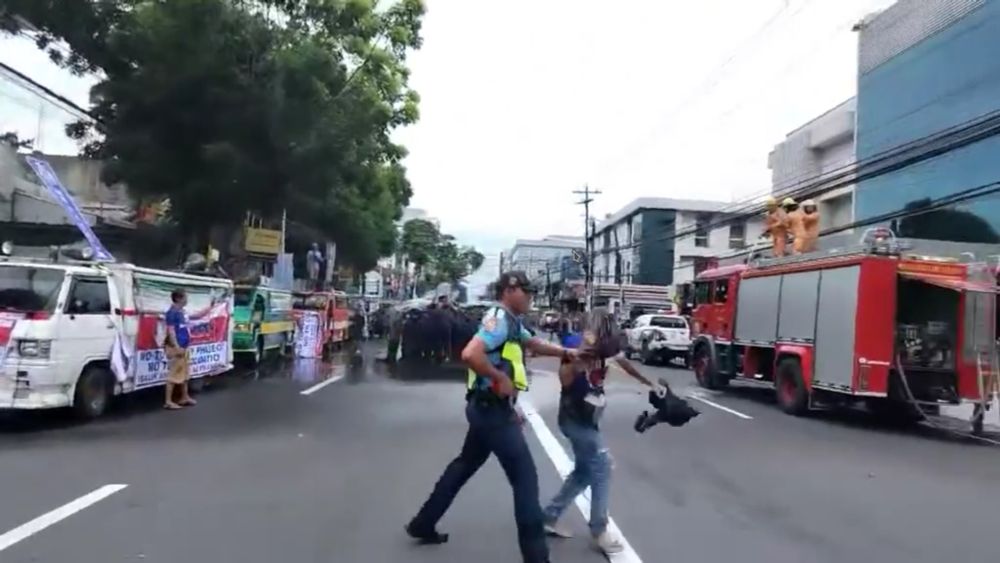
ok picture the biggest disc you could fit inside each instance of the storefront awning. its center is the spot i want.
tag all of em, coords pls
(952, 283)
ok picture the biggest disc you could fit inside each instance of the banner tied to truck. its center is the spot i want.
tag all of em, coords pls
(208, 350)
(7, 322)
(309, 337)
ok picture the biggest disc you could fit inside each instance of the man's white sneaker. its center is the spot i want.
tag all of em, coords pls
(554, 529)
(608, 543)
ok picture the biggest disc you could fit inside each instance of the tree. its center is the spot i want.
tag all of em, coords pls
(473, 257)
(418, 242)
(12, 140)
(435, 255)
(229, 106)
(953, 225)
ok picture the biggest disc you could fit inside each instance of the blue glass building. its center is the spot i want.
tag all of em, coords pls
(926, 66)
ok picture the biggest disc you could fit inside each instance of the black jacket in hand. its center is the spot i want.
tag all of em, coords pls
(669, 408)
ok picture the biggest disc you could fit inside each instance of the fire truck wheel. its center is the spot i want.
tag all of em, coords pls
(791, 389)
(94, 391)
(704, 367)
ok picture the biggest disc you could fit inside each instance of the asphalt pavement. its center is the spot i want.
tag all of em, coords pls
(312, 462)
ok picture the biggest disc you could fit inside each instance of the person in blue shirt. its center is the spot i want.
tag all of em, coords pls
(497, 374)
(176, 348)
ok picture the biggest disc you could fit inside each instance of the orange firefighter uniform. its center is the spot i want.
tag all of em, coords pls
(805, 227)
(776, 225)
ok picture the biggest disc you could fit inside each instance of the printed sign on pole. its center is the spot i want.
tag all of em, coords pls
(48, 177)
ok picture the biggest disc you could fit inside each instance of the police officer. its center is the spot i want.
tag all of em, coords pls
(497, 374)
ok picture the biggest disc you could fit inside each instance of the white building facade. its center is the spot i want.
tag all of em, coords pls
(536, 256)
(820, 156)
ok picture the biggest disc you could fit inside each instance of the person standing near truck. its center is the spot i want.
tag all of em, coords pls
(177, 341)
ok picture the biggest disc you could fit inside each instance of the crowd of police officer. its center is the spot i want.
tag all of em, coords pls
(435, 332)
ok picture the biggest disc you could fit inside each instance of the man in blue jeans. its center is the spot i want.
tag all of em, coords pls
(495, 357)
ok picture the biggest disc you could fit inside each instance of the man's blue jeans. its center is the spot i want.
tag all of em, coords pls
(592, 469)
(493, 430)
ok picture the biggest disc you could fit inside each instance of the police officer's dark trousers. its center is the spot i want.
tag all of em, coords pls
(493, 429)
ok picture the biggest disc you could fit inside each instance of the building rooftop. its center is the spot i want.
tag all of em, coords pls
(848, 105)
(551, 242)
(695, 205)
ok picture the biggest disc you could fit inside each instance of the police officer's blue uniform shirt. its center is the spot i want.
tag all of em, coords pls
(493, 331)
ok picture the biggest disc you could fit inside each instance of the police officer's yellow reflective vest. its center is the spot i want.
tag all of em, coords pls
(511, 357)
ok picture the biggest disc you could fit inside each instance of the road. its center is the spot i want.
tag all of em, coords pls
(319, 463)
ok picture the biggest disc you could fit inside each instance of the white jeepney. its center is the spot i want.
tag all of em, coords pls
(75, 334)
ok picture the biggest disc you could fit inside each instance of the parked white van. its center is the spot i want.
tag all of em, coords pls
(75, 334)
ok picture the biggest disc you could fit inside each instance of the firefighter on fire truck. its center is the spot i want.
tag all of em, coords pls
(776, 225)
(804, 224)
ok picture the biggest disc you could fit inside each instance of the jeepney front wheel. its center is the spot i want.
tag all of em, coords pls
(94, 391)
(704, 367)
(790, 387)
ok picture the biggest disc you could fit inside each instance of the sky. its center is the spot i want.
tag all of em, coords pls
(525, 101)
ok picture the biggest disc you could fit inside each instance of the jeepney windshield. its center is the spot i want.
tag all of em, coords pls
(29, 289)
(242, 296)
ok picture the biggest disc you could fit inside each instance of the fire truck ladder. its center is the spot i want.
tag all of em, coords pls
(986, 371)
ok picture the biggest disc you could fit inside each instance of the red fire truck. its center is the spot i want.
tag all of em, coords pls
(879, 324)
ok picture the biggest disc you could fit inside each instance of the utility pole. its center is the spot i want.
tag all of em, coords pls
(588, 231)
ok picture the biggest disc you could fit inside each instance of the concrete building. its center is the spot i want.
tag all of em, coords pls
(645, 243)
(535, 257)
(30, 216)
(929, 70)
(819, 153)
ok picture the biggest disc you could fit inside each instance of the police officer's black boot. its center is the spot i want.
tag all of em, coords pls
(425, 536)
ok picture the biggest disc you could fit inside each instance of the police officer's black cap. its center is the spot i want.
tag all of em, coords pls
(513, 279)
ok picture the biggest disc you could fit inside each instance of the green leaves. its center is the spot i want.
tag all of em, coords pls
(436, 256)
(226, 106)
(419, 241)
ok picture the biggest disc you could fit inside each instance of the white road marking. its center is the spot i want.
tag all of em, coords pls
(321, 385)
(698, 397)
(564, 465)
(31, 528)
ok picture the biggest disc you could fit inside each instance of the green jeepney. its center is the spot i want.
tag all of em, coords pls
(263, 321)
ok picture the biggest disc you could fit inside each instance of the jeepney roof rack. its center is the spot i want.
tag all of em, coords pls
(72, 255)
(879, 241)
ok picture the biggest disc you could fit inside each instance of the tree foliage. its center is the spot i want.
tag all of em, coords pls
(435, 255)
(229, 106)
(419, 241)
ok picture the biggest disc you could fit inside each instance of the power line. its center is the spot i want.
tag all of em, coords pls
(48, 92)
(947, 202)
(886, 162)
(716, 75)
